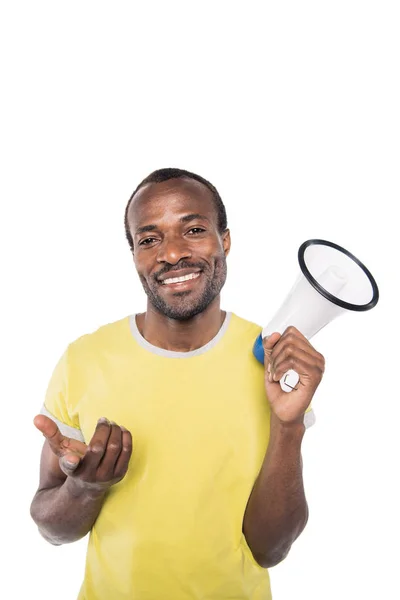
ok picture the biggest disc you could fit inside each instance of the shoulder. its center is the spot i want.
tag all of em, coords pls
(108, 336)
(244, 328)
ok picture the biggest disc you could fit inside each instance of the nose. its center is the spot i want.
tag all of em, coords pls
(173, 249)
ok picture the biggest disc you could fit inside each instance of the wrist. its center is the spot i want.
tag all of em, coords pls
(78, 488)
(290, 430)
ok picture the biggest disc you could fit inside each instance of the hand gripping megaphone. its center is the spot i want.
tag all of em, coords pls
(331, 282)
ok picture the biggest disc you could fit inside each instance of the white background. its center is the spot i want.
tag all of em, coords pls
(292, 110)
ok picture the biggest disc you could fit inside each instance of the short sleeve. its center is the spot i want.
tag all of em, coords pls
(309, 417)
(57, 401)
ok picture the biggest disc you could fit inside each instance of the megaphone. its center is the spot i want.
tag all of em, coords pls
(332, 281)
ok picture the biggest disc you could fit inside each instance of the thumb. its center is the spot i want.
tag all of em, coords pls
(269, 342)
(51, 432)
(69, 463)
(59, 443)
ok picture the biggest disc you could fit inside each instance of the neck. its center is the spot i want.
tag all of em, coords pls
(181, 336)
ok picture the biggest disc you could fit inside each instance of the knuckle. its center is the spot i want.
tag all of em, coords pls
(292, 331)
(65, 443)
(290, 338)
(320, 363)
(289, 350)
(318, 372)
(96, 448)
(114, 447)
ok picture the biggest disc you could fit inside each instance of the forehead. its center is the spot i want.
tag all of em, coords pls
(170, 199)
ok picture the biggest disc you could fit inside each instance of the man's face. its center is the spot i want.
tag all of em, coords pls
(175, 234)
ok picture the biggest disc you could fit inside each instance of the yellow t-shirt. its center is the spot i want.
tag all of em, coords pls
(172, 528)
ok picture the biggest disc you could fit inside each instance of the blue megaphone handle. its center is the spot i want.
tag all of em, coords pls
(258, 349)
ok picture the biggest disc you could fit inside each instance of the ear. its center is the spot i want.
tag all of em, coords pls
(226, 241)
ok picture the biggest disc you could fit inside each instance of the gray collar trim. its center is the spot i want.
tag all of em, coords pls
(171, 353)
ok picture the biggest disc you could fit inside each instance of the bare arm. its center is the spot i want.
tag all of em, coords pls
(62, 510)
(75, 478)
(277, 510)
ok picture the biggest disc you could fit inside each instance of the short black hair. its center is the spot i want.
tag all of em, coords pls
(163, 175)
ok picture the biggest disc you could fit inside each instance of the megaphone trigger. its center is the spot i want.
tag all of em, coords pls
(289, 381)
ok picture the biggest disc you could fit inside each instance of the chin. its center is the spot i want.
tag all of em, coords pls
(180, 313)
(183, 309)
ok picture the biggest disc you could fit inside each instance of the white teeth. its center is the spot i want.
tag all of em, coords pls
(179, 279)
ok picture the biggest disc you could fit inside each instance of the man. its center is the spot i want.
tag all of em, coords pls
(165, 437)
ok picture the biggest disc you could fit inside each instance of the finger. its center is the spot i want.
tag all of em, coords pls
(69, 463)
(304, 368)
(293, 340)
(96, 448)
(293, 331)
(289, 354)
(59, 443)
(290, 343)
(51, 432)
(276, 343)
(270, 341)
(122, 463)
(105, 471)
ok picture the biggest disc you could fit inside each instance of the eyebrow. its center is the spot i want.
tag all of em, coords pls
(184, 219)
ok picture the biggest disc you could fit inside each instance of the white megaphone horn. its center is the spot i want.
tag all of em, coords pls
(331, 282)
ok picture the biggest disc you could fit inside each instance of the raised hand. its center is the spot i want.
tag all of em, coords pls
(291, 350)
(98, 465)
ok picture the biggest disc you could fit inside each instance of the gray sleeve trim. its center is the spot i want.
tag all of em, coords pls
(309, 419)
(66, 430)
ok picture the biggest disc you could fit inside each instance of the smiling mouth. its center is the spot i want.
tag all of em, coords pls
(183, 279)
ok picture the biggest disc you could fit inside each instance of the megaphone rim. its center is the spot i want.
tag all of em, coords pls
(323, 291)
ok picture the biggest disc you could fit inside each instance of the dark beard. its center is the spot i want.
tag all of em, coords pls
(186, 308)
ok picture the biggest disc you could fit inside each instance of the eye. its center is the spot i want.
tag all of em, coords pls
(146, 241)
(196, 230)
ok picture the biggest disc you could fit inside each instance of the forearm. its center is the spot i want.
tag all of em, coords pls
(66, 513)
(277, 510)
